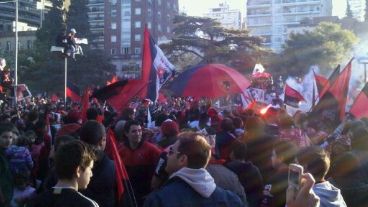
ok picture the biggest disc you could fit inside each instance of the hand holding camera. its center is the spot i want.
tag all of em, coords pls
(299, 192)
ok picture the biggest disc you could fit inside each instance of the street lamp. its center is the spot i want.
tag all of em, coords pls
(16, 47)
(364, 61)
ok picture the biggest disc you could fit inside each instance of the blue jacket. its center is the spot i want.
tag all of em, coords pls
(177, 193)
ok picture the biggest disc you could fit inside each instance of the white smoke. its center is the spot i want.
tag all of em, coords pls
(305, 88)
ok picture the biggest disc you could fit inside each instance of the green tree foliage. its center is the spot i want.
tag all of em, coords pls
(203, 40)
(44, 71)
(93, 68)
(39, 67)
(326, 46)
(77, 17)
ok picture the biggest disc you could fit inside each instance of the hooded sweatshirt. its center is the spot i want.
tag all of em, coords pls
(329, 195)
(199, 179)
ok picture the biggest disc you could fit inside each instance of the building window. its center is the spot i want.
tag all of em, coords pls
(113, 51)
(168, 29)
(159, 28)
(149, 25)
(113, 38)
(159, 2)
(29, 44)
(137, 24)
(8, 46)
(113, 12)
(125, 50)
(113, 2)
(137, 11)
(113, 25)
(137, 37)
(137, 50)
(149, 12)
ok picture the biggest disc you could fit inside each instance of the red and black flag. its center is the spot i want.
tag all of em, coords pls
(85, 104)
(292, 97)
(157, 69)
(334, 75)
(125, 191)
(330, 110)
(359, 108)
(73, 92)
(109, 90)
(120, 93)
(321, 82)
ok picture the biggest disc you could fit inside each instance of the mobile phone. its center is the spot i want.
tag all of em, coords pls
(295, 173)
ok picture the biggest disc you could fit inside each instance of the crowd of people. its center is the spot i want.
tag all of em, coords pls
(183, 152)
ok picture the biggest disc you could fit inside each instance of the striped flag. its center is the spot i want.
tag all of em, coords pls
(157, 69)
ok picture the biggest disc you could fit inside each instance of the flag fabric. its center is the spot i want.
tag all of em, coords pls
(123, 184)
(109, 90)
(113, 80)
(359, 108)
(330, 110)
(73, 92)
(292, 97)
(321, 82)
(85, 104)
(54, 98)
(333, 77)
(156, 67)
(120, 93)
(22, 92)
(156, 70)
(258, 68)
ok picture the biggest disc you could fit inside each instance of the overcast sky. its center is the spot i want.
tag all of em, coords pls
(199, 7)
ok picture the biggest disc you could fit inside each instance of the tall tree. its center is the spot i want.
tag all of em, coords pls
(203, 40)
(53, 24)
(77, 17)
(94, 67)
(349, 12)
(326, 46)
(44, 68)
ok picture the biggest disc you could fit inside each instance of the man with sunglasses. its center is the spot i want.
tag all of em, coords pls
(189, 183)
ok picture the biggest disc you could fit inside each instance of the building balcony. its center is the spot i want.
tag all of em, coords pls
(300, 12)
(259, 15)
(256, 3)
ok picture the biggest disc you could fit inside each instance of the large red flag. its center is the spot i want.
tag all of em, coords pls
(157, 69)
(292, 97)
(73, 92)
(85, 104)
(122, 179)
(359, 108)
(333, 77)
(330, 110)
(321, 82)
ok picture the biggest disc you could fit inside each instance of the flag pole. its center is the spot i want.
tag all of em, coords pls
(65, 78)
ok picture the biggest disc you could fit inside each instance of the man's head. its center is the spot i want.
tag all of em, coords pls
(133, 132)
(8, 134)
(238, 151)
(73, 31)
(315, 161)
(191, 151)
(74, 162)
(92, 114)
(93, 133)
